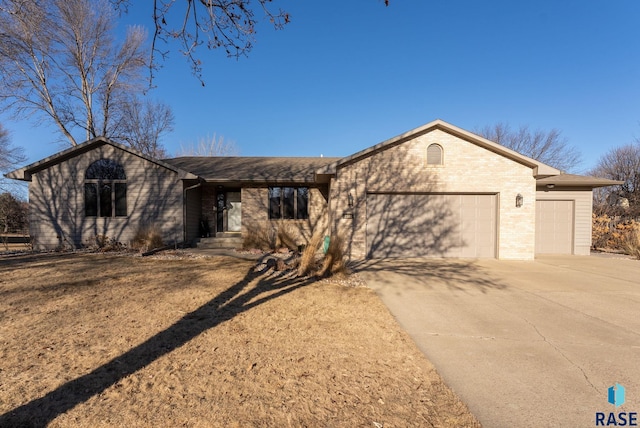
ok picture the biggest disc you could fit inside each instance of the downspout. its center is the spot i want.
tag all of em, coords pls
(184, 211)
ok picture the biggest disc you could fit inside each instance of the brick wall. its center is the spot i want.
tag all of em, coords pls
(255, 214)
(467, 168)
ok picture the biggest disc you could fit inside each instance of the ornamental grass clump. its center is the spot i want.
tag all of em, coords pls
(308, 260)
(147, 237)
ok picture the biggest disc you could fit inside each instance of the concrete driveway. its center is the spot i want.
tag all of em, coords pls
(524, 344)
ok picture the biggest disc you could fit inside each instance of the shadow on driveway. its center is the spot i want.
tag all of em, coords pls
(430, 273)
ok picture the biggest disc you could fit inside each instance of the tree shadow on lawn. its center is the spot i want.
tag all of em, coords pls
(254, 289)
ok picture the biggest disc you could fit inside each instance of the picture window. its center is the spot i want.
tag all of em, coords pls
(105, 190)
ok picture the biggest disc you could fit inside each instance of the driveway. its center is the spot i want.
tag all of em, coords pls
(526, 344)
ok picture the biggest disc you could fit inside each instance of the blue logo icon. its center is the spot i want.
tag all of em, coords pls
(616, 395)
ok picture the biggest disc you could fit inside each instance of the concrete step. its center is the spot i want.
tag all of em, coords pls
(228, 235)
(220, 242)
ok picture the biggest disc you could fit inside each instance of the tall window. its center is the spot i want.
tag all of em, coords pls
(105, 189)
(434, 154)
(289, 203)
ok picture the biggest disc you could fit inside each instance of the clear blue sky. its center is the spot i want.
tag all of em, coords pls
(345, 75)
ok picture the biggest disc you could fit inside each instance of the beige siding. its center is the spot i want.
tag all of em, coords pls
(583, 207)
(56, 197)
(467, 168)
(193, 213)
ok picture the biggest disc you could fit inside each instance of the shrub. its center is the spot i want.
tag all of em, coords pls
(104, 243)
(286, 238)
(147, 237)
(612, 233)
(631, 243)
(260, 237)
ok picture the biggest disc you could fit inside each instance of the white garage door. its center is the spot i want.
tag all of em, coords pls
(554, 227)
(418, 225)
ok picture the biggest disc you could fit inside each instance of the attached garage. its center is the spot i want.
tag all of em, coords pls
(554, 227)
(436, 225)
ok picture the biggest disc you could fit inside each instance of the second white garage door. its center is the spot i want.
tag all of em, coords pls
(418, 225)
(554, 227)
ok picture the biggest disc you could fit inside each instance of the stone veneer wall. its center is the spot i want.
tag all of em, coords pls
(467, 168)
(255, 214)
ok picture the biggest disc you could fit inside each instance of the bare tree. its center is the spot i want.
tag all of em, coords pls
(10, 157)
(13, 213)
(59, 59)
(622, 164)
(210, 146)
(143, 124)
(545, 146)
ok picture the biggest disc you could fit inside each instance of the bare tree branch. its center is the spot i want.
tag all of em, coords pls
(143, 124)
(10, 158)
(622, 164)
(59, 60)
(210, 146)
(548, 147)
(229, 25)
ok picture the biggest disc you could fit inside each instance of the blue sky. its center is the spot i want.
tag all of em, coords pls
(345, 75)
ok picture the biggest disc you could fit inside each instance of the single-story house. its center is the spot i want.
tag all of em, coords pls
(436, 190)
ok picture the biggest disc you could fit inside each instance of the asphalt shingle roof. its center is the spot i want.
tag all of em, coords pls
(252, 169)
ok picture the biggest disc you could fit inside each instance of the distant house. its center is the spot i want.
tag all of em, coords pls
(436, 190)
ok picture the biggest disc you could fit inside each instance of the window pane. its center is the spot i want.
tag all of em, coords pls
(288, 198)
(303, 203)
(275, 195)
(90, 199)
(105, 200)
(105, 169)
(434, 155)
(121, 199)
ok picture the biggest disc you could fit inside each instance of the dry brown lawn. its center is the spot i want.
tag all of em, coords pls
(91, 340)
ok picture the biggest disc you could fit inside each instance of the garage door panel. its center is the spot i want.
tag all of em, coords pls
(554, 227)
(417, 225)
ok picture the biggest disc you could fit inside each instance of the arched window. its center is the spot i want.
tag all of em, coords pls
(105, 189)
(434, 154)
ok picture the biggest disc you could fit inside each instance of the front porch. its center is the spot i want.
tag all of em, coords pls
(220, 217)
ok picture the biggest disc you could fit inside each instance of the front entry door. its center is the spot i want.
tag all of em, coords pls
(234, 211)
(229, 212)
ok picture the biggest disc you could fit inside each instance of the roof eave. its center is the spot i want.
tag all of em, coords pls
(25, 173)
(18, 174)
(561, 180)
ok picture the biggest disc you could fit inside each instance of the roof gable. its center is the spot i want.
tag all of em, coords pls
(538, 168)
(26, 172)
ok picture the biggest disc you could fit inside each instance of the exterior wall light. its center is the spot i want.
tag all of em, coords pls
(350, 199)
(519, 200)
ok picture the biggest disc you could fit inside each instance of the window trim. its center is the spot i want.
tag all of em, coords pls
(282, 206)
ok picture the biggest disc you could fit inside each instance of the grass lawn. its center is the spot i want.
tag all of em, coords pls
(93, 340)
